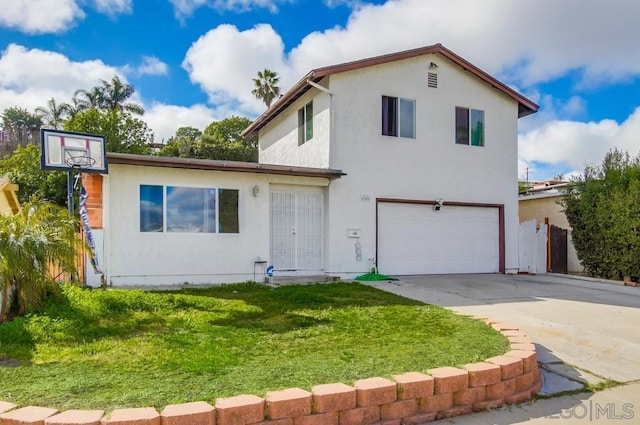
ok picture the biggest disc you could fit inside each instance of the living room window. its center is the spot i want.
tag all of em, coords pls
(188, 209)
(305, 123)
(398, 117)
(469, 126)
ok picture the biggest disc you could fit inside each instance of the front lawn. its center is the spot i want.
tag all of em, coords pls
(128, 348)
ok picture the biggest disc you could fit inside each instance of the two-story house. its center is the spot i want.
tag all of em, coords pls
(407, 161)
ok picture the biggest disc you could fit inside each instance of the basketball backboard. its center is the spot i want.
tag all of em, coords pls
(66, 151)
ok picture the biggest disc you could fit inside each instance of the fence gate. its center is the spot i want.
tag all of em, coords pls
(532, 247)
(558, 248)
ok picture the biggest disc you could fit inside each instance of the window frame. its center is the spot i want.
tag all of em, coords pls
(305, 123)
(394, 117)
(469, 126)
(209, 211)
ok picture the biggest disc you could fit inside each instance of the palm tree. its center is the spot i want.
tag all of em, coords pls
(53, 115)
(115, 93)
(266, 88)
(41, 234)
(86, 99)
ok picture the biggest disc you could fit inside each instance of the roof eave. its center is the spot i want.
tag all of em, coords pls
(525, 106)
(218, 165)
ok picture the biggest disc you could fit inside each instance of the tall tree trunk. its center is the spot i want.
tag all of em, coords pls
(4, 308)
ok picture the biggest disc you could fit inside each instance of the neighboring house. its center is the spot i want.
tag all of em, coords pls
(428, 146)
(9, 204)
(541, 203)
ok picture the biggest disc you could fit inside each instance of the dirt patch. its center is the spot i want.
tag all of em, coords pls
(8, 362)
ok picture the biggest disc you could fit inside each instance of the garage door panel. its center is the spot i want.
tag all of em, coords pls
(414, 239)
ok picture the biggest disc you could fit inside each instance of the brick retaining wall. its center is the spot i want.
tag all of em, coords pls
(408, 399)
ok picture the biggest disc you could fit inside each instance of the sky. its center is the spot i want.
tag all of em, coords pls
(193, 61)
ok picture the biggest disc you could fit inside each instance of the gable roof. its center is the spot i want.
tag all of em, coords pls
(220, 165)
(8, 190)
(525, 106)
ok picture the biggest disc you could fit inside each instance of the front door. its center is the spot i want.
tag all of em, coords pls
(297, 230)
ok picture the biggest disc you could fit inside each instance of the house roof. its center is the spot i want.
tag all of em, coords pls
(9, 190)
(217, 165)
(525, 106)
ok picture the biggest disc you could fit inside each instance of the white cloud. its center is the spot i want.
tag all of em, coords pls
(114, 7)
(185, 8)
(39, 16)
(224, 61)
(528, 43)
(575, 144)
(29, 77)
(150, 66)
(166, 119)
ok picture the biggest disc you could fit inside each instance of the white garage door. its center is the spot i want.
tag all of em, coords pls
(414, 239)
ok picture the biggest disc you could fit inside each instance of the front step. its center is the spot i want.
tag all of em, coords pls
(296, 280)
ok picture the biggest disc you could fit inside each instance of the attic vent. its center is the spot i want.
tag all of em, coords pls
(432, 80)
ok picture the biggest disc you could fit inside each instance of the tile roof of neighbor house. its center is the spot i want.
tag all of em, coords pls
(525, 106)
(218, 165)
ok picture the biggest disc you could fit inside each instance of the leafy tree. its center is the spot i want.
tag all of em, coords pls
(223, 140)
(20, 128)
(603, 209)
(54, 114)
(86, 99)
(266, 86)
(41, 234)
(182, 143)
(123, 132)
(114, 94)
(23, 168)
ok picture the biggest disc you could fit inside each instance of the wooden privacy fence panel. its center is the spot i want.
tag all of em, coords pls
(558, 248)
(58, 275)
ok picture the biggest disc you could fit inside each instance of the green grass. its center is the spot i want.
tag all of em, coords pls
(126, 348)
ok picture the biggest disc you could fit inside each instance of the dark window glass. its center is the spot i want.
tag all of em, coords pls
(462, 126)
(228, 211)
(389, 116)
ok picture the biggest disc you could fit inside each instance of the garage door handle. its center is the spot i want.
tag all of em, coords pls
(293, 231)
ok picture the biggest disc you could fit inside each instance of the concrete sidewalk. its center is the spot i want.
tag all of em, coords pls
(620, 405)
(585, 331)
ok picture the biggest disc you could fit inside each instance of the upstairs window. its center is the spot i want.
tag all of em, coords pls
(398, 117)
(305, 123)
(469, 126)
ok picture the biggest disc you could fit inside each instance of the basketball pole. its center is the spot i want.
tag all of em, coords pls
(70, 191)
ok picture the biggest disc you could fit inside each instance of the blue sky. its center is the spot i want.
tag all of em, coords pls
(192, 61)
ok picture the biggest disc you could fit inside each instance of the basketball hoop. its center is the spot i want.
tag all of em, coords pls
(78, 162)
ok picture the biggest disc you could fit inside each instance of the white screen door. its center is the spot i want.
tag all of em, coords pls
(297, 230)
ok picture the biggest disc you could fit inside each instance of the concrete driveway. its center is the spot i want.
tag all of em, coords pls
(584, 330)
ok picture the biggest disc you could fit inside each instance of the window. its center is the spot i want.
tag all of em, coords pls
(151, 204)
(305, 123)
(469, 126)
(398, 117)
(188, 209)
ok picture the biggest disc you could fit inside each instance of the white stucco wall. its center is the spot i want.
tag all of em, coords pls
(279, 140)
(164, 258)
(429, 167)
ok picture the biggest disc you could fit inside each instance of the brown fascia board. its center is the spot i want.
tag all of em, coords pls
(525, 106)
(217, 165)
